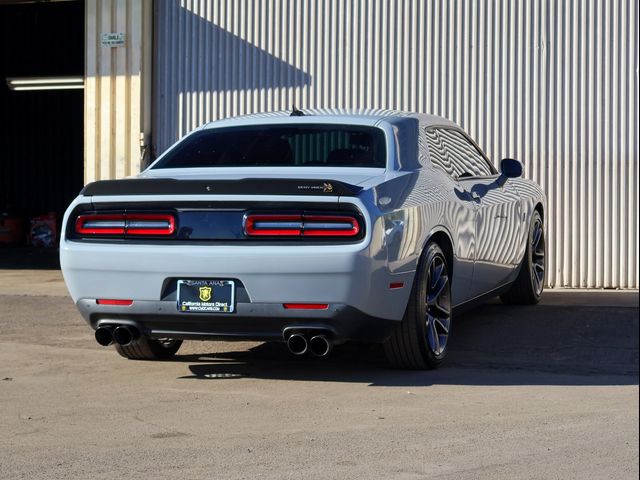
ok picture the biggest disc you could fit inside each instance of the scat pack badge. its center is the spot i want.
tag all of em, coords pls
(326, 187)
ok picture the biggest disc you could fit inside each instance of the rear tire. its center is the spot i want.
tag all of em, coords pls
(528, 286)
(420, 340)
(144, 348)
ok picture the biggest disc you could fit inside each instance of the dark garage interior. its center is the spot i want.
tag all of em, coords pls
(41, 130)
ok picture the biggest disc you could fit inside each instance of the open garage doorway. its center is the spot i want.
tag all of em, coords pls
(41, 112)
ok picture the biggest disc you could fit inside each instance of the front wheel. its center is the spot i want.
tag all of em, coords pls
(527, 289)
(421, 339)
(144, 348)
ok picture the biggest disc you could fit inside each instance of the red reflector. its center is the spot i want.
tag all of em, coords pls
(113, 301)
(306, 306)
(396, 285)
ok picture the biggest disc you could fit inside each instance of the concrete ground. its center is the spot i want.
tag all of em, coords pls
(549, 391)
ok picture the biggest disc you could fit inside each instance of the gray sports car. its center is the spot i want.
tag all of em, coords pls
(311, 228)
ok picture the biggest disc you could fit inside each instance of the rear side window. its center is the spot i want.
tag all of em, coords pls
(455, 154)
(280, 146)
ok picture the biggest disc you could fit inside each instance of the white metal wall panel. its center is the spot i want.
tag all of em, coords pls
(117, 101)
(552, 83)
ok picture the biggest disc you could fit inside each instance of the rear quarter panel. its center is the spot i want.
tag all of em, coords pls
(413, 207)
(531, 197)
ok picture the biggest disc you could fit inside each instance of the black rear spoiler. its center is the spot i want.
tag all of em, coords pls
(251, 186)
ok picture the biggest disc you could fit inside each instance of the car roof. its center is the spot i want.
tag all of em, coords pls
(366, 116)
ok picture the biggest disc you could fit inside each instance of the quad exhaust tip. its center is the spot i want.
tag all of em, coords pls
(121, 334)
(320, 345)
(297, 344)
(104, 336)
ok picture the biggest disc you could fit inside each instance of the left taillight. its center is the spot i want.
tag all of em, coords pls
(110, 224)
(100, 224)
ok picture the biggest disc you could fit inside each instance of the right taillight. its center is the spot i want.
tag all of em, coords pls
(301, 225)
(330, 226)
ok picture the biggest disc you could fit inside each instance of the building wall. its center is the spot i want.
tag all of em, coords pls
(554, 84)
(117, 87)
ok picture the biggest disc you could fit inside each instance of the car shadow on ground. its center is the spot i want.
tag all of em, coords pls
(493, 345)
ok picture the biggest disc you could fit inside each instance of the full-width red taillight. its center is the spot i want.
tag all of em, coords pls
(302, 225)
(126, 223)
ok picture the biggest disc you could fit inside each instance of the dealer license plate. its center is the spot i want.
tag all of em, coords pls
(208, 296)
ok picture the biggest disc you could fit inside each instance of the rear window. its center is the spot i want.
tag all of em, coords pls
(280, 146)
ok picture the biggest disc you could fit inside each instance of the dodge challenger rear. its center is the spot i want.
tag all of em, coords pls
(256, 231)
(310, 230)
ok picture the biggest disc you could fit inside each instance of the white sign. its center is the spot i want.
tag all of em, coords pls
(113, 39)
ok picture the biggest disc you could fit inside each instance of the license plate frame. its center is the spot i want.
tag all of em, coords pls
(206, 296)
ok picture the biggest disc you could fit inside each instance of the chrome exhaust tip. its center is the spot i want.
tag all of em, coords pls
(104, 336)
(124, 335)
(297, 344)
(320, 345)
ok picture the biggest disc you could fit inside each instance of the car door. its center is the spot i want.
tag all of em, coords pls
(497, 220)
(460, 213)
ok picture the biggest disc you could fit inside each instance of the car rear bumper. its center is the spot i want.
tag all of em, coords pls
(253, 321)
(352, 279)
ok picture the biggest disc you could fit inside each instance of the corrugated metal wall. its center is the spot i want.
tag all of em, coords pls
(552, 83)
(117, 101)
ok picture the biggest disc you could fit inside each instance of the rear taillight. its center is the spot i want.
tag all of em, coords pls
(161, 224)
(273, 225)
(330, 226)
(100, 224)
(303, 225)
(149, 224)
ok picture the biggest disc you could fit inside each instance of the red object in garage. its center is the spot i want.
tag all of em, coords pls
(11, 230)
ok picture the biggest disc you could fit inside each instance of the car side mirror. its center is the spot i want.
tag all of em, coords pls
(509, 168)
